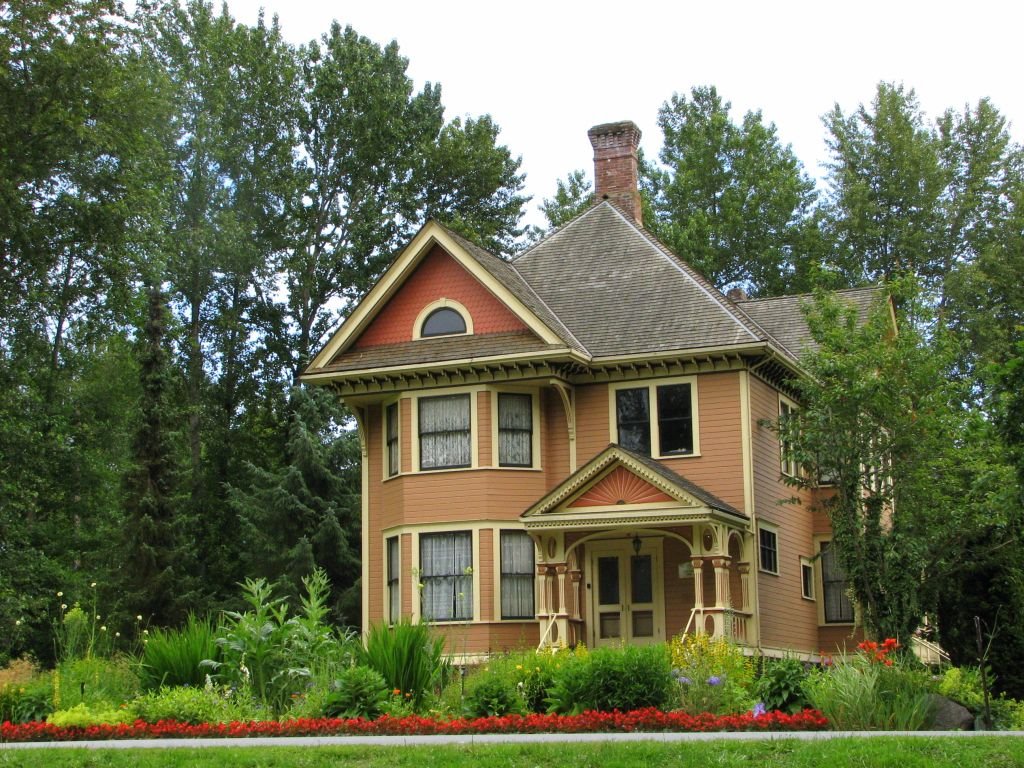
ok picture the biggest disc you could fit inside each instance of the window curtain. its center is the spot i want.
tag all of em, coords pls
(446, 573)
(515, 430)
(517, 574)
(444, 432)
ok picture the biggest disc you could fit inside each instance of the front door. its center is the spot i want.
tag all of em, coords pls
(625, 589)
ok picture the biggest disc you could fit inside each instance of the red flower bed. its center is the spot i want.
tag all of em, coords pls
(588, 722)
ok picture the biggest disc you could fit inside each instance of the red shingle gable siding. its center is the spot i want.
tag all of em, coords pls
(438, 276)
(620, 487)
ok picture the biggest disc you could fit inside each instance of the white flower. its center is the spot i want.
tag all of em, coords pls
(103, 628)
(63, 606)
(117, 634)
(93, 585)
(60, 594)
(139, 617)
(17, 623)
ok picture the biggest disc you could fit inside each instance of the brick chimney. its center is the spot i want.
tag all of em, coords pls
(615, 165)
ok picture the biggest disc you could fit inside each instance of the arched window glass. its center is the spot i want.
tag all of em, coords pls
(443, 322)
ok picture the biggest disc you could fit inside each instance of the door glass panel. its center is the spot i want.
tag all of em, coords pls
(642, 591)
(611, 626)
(643, 623)
(608, 581)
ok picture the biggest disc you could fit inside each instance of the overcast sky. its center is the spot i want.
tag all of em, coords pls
(547, 71)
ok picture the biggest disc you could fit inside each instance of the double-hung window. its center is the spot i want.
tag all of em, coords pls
(790, 467)
(394, 595)
(515, 430)
(446, 576)
(656, 419)
(768, 541)
(391, 430)
(445, 434)
(838, 608)
(517, 574)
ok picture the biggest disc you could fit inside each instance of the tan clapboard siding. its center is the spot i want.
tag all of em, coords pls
(719, 468)
(484, 565)
(483, 436)
(554, 431)
(444, 497)
(592, 435)
(373, 543)
(479, 638)
(839, 638)
(404, 432)
(787, 620)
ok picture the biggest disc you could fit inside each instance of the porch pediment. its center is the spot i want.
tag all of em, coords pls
(620, 487)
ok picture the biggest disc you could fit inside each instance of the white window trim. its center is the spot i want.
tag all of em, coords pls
(535, 449)
(417, 327)
(652, 403)
(474, 428)
(474, 530)
(805, 562)
(787, 465)
(774, 530)
(384, 437)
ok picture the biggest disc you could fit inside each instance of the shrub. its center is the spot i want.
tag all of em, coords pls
(492, 694)
(872, 691)
(94, 681)
(187, 704)
(963, 685)
(25, 693)
(613, 678)
(83, 716)
(781, 685)
(358, 692)
(173, 657)
(713, 675)
(265, 652)
(408, 658)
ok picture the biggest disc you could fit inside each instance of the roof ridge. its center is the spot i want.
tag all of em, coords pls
(557, 231)
(756, 299)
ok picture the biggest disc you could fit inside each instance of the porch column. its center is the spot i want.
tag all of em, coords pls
(561, 569)
(744, 570)
(722, 597)
(698, 583)
(542, 593)
(575, 576)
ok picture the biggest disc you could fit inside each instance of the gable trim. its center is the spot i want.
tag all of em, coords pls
(431, 234)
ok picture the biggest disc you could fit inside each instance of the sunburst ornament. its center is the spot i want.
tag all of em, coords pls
(620, 486)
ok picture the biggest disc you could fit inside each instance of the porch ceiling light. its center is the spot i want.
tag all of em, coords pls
(636, 545)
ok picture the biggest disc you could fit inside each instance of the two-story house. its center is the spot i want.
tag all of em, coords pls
(570, 446)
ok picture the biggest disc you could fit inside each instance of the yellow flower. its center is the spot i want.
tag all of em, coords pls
(519, 666)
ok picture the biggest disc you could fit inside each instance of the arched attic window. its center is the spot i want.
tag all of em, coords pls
(443, 318)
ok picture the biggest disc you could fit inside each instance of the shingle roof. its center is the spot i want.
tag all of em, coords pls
(783, 316)
(438, 350)
(620, 292)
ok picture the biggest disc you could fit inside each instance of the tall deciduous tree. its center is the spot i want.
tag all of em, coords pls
(377, 160)
(732, 200)
(878, 418)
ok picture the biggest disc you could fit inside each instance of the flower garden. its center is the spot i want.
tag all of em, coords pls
(268, 671)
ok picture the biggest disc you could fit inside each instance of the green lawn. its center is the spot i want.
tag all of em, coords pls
(989, 752)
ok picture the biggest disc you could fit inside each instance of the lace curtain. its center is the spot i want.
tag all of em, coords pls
(515, 430)
(446, 573)
(444, 432)
(517, 570)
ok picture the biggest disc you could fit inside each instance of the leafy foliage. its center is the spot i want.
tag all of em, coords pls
(358, 692)
(713, 675)
(174, 657)
(625, 678)
(187, 704)
(409, 658)
(493, 695)
(780, 686)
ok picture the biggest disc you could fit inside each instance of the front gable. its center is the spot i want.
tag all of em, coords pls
(438, 278)
(620, 487)
(435, 269)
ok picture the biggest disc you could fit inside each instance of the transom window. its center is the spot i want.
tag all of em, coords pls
(656, 416)
(517, 574)
(838, 607)
(444, 432)
(769, 546)
(515, 430)
(443, 321)
(446, 576)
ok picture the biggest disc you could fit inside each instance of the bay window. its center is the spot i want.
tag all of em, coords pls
(515, 430)
(446, 576)
(445, 434)
(517, 575)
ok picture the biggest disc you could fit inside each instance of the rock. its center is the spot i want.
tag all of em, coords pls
(950, 716)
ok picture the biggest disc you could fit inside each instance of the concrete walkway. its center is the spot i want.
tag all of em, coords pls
(492, 738)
